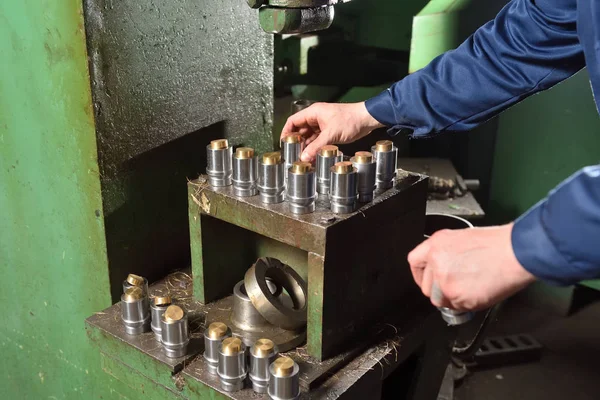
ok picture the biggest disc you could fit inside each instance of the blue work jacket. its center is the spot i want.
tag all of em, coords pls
(529, 47)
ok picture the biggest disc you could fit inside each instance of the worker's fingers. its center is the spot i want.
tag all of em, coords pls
(417, 274)
(310, 152)
(437, 296)
(418, 257)
(306, 118)
(427, 281)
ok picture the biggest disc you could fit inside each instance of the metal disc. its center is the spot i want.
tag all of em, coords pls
(270, 306)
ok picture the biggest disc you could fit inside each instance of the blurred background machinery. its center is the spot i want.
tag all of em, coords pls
(105, 108)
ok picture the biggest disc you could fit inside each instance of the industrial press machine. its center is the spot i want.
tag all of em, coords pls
(130, 94)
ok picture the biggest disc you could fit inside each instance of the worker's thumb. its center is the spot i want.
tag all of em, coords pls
(310, 152)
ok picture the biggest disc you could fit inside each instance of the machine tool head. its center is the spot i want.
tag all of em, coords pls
(294, 16)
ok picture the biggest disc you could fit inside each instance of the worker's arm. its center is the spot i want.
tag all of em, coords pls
(529, 47)
(558, 240)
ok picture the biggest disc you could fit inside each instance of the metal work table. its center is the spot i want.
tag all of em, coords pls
(355, 374)
(465, 206)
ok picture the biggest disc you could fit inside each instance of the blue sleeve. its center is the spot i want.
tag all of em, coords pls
(529, 47)
(558, 240)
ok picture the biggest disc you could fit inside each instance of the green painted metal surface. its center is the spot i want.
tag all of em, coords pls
(540, 142)
(52, 246)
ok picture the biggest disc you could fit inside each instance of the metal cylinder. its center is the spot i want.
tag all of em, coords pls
(137, 280)
(157, 309)
(301, 193)
(134, 313)
(232, 368)
(271, 178)
(245, 172)
(219, 168)
(326, 158)
(300, 104)
(344, 188)
(292, 148)
(174, 331)
(262, 354)
(245, 315)
(284, 381)
(366, 167)
(386, 156)
(213, 337)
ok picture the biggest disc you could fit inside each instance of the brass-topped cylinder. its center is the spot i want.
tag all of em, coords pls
(326, 158)
(271, 178)
(157, 309)
(245, 172)
(284, 380)
(301, 188)
(219, 163)
(366, 167)
(292, 148)
(262, 354)
(386, 157)
(175, 334)
(213, 337)
(344, 188)
(135, 313)
(232, 369)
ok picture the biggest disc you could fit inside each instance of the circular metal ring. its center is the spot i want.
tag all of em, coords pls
(270, 306)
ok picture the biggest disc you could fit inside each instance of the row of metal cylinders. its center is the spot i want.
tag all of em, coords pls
(277, 177)
(229, 359)
(168, 321)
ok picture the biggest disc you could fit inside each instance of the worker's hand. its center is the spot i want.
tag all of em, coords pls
(468, 269)
(325, 123)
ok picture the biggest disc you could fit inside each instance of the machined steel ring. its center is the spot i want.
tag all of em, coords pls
(270, 306)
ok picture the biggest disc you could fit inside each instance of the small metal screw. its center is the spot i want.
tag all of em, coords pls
(327, 220)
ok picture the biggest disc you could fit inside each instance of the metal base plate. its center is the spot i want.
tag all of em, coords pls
(220, 311)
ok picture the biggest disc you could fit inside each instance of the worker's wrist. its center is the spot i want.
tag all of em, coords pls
(367, 121)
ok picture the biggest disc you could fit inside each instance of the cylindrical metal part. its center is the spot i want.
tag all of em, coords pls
(219, 168)
(344, 188)
(262, 354)
(133, 280)
(134, 313)
(232, 368)
(366, 167)
(284, 381)
(326, 158)
(386, 156)
(213, 337)
(292, 148)
(175, 333)
(245, 315)
(245, 172)
(300, 104)
(157, 309)
(301, 193)
(271, 178)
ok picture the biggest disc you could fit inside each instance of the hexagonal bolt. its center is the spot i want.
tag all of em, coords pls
(295, 20)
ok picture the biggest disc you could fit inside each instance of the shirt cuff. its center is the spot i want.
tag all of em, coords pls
(536, 252)
(382, 109)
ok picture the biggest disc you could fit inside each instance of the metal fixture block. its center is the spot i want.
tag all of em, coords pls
(355, 264)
